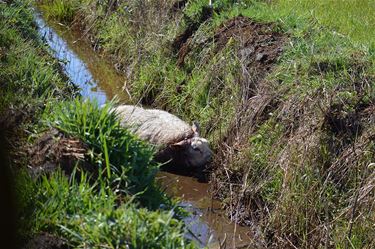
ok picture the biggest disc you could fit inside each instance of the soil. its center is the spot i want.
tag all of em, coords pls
(260, 45)
(46, 241)
(53, 149)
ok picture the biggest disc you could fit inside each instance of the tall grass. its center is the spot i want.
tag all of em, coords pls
(117, 153)
(92, 217)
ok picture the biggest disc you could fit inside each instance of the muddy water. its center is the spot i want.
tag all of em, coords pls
(207, 223)
(95, 76)
(97, 79)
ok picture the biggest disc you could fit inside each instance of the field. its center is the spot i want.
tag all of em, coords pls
(284, 90)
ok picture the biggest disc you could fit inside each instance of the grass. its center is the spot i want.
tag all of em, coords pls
(29, 77)
(118, 205)
(296, 152)
(88, 215)
(64, 11)
(353, 18)
(117, 153)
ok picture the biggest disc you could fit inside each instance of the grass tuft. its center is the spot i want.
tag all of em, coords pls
(87, 217)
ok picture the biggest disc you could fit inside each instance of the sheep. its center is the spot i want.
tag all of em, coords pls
(177, 143)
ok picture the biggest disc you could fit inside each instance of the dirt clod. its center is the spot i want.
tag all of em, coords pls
(46, 241)
(258, 41)
(53, 149)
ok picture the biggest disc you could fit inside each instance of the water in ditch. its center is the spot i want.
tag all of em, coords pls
(97, 79)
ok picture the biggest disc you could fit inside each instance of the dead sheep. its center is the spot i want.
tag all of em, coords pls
(177, 142)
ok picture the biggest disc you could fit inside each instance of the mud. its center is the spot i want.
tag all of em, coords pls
(53, 150)
(46, 241)
(260, 45)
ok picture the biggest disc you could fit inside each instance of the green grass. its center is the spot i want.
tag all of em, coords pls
(90, 216)
(28, 76)
(117, 153)
(352, 18)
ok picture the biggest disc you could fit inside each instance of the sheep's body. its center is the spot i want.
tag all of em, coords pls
(158, 127)
(172, 137)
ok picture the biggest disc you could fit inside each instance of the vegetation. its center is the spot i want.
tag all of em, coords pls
(114, 203)
(94, 218)
(28, 76)
(118, 153)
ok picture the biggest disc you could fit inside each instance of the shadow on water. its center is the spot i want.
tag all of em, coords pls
(97, 79)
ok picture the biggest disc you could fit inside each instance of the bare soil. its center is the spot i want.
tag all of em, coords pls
(53, 150)
(46, 241)
(259, 47)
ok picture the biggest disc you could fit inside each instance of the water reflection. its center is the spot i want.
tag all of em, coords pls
(91, 73)
(207, 224)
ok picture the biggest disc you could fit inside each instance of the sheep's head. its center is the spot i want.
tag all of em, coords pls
(196, 150)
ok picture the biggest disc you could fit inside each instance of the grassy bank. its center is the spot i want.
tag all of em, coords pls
(283, 90)
(81, 180)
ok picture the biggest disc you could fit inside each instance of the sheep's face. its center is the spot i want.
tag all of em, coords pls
(195, 151)
(198, 152)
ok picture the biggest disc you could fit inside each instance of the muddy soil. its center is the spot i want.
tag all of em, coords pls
(259, 46)
(53, 150)
(46, 241)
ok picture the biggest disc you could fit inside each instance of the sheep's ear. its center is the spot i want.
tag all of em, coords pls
(181, 143)
(195, 128)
